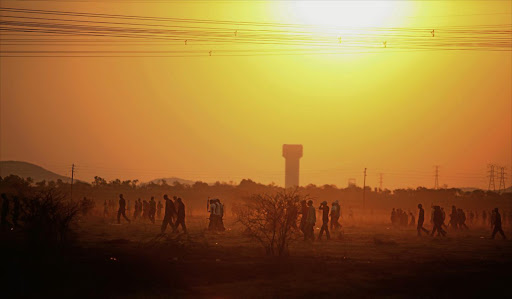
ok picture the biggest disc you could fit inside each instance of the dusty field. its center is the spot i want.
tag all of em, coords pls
(133, 260)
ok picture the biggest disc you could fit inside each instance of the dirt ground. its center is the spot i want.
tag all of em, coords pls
(108, 260)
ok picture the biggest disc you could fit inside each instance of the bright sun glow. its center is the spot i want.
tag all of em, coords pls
(350, 13)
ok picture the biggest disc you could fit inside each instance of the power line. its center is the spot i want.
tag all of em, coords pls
(283, 38)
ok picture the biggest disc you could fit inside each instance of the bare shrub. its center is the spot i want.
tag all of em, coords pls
(270, 219)
(47, 216)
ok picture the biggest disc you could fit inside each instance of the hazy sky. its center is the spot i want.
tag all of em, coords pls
(226, 118)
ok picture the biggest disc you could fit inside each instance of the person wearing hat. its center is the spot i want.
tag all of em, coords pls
(497, 224)
(325, 221)
(309, 233)
(421, 219)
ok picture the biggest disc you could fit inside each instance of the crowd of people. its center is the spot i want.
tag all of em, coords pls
(174, 214)
(308, 219)
(400, 217)
(438, 220)
(216, 210)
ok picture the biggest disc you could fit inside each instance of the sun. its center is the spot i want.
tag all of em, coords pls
(350, 13)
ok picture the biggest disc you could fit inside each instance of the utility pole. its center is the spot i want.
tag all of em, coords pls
(364, 186)
(436, 182)
(72, 177)
(380, 181)
(502, 179)
(491, 178)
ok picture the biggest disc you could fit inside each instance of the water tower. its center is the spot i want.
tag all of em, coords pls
(292, 153)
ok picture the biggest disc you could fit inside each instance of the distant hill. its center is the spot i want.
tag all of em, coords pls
(29, 170)
(469, 189)
(171, 180)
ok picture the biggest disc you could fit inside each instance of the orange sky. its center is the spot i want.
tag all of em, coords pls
(226, 118)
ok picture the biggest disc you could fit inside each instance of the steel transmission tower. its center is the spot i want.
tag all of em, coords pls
(436, 182)
(502, 180)
(491, 178)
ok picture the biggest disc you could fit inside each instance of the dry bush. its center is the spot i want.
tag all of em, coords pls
(271, 220)
(47, 216)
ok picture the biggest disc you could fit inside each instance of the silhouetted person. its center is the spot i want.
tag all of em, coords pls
(497, 224)
(438, 221)
(325, 220)
(152, 209)
(292, 214)
(212, 208)
(5, 211)
(403, 218)
(421, 219)
(145, 209)
(159, 208)
(16, 211)
(220, 215)
(105, 209)
(335, 215)
(413, 220)
(393, 216)
(122, 210)
(310, 222)
(304, 215)
(454, 221)
(471, 217)
(461, 218)
(181, 215)
(138, 209)
(443, 214)
(170, 212)
(484, 217)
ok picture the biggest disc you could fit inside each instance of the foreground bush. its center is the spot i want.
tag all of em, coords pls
(271, 220)
(47, 216)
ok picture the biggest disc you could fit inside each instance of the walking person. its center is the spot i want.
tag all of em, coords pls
(497, 225)
(220, 216)
(454, 218)
(461, 218)
(152, 209)
(122, 209)
(105, 209)
(413, 219)
(212, 208)
(5, 211)
(304, 212)
(170, 212)
(159, 208)
(181, 216)
(438, 222)
(335, 215)
(310, 222)
(145, 210)
(325, 220)
(421, 219)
